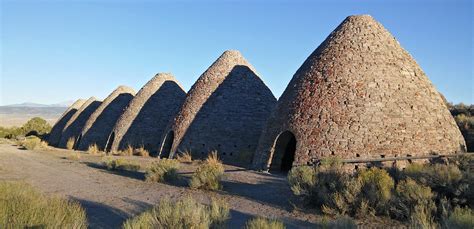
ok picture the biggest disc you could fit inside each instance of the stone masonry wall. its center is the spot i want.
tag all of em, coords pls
(56, 130)
(99, 125)
(360, 95)
(78, 120)
(225, 110)
(146, 117)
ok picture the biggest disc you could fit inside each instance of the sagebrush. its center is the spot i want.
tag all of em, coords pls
(22, 206)
(182, 214)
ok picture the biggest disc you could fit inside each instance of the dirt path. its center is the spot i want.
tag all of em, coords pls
(110, 198)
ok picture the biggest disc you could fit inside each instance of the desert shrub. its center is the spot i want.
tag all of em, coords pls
(183, 214)
(376, 187)
(36, 126)
(422, 218)
(163, 170)
(263, 223)
(70, 143)
(209, 174)
(445, 180)
(93, 149)
(327, 187)
(74, 156)
(10, 132)
(141, 151)
(464, 122)
(185, 157)
(127, 151)
(409, 194)
(460, 218)
(33, 142)
(438, 176)
(22, 206)
(301, 179)
(120, 164)
(219, 212)
(341, 222)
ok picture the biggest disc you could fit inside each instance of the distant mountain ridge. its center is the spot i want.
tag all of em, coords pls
(28, 104)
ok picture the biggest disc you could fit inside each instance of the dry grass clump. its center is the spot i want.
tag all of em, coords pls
(185, 157)
(460, 218)
(93, 149)
(141, 152)
(163, 170)
(263, 223)
(76, 156)
(22, 206)
(183, 214)
(209, 174)
(70, 143)
(33, 142)
(120, 164)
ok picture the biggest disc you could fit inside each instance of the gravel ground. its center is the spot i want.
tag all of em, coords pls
(111, 197)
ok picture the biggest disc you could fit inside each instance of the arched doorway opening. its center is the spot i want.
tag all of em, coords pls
(167, 144)
(78, 141)
(108, 147)
(283, 152)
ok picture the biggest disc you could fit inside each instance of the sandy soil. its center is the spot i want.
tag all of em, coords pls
(111, 197)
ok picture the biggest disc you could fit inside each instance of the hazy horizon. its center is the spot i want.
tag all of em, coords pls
(53, 51)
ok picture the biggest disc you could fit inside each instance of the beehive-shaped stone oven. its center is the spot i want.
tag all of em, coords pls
(225, 110)
(73, 127)
(146, 117)
(99, 125)
(358, 95)
(56, 130)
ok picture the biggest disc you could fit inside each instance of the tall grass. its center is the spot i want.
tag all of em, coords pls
(33, 142)
(22, 206)
(93, 149)
(209, 174)
(263, 223)
(70, 143)
(461, 218)
(120, 164)
(182, 214)
(163, 170)
(185, 157)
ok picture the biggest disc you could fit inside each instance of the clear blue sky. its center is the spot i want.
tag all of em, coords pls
(54, 51)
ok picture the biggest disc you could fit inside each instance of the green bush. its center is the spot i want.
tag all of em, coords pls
(376, 187)
(302, 179)
(408, 195)
(263, 223)
(36, 126)
(120, 164)
(163, 170)
(22, 206)
(327, 187)
(208, 175)
(460, 218)
(183, 214)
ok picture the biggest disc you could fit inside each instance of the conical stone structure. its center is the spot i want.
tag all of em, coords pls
(73, 127)
(56, 130)
(225, 110)
(99, 125)
(358, 95)
(148, 114)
